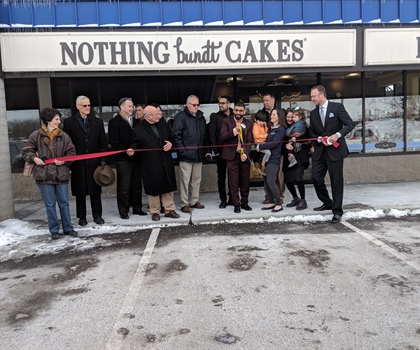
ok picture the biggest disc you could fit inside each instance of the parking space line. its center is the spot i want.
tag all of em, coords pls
(382, 245)
(116, 338)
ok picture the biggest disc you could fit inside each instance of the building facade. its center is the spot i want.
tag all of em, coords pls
(366, 53)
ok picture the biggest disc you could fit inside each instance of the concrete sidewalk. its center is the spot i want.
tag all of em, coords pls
(383, 196)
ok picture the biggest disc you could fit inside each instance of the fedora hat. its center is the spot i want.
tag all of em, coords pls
(104, 177)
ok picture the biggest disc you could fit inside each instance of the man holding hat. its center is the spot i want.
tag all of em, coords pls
(88, 136)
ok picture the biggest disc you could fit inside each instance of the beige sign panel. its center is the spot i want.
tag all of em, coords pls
(48, 52)
(392, 46)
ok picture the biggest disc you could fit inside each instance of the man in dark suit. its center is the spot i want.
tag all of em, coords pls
(215, 125)
(122, 137)
(236, 133)
(88, 136)
(329, 123)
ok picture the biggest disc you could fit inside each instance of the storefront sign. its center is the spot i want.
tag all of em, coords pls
(41, 52)
(395, 46)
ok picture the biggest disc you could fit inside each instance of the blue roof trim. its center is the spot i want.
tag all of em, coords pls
(135, 13)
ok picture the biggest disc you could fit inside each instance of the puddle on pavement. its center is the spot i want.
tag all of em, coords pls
(315, 258)
(243, 263)
(227, 338)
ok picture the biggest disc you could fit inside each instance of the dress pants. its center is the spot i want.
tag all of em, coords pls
(126, 187)
(95, 204)
(281, 183)
(189, 182)
(221, 177)
(270, 184)
(136, 200)
(238, 173)
(335, 171)
(167, 202)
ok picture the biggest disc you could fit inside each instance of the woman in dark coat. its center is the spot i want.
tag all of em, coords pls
(156, 163)
(293, 175)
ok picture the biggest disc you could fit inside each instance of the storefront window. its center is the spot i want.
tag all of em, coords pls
(413, 111)
(384, 128)
(20, 125)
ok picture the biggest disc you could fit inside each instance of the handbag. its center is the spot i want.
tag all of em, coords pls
(28, 169)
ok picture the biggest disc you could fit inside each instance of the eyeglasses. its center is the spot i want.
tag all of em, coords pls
(194, 104)
(85, 106)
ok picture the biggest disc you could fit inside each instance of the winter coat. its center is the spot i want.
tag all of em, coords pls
(86, 140)
(59, 146)
(157, 167)
(121, 137)
(302, 156)
(215, 125)
(274, 144)
(188, 132)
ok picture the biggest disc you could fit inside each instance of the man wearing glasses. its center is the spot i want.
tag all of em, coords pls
(88, 136)
(329, 123)
(190, 137)
(215, 125)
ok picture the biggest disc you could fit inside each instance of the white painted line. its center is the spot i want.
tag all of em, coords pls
(383, 245)
(115, 339)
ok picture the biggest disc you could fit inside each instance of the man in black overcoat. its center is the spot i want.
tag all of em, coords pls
(156, 163)
(329, 124)
(88, 136)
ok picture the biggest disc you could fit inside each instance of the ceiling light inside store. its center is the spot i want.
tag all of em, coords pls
(286, 76)
(229, 79)
(350, 75)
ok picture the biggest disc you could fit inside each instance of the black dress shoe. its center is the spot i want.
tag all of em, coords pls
(245, 206)
(124, 216)
(222, 205)
(237, 209)
(139, 212)
(323, 207)
(99, 221)
(71, 233)
(82, 222)
(336, 219)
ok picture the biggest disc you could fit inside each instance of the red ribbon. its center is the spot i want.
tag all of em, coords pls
(110, 153)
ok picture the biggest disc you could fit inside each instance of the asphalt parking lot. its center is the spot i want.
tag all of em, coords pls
(264, 285)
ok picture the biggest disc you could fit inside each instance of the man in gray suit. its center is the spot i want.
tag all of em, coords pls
(329, 123)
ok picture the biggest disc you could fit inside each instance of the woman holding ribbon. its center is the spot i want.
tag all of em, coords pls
(52, 177)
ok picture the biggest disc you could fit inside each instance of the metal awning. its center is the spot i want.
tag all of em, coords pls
(81, 13)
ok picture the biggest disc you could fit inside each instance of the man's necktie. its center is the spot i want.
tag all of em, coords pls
(130, 121)
(322, 114)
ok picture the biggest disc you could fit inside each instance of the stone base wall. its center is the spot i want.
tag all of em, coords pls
(356, 170)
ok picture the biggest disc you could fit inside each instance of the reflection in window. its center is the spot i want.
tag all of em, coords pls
(413, 113)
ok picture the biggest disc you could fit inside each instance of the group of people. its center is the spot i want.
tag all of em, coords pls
(144, 143)
(284, 144)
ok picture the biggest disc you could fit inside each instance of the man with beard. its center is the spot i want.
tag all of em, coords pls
(236, 132)
(88, 136)
(215, 125)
